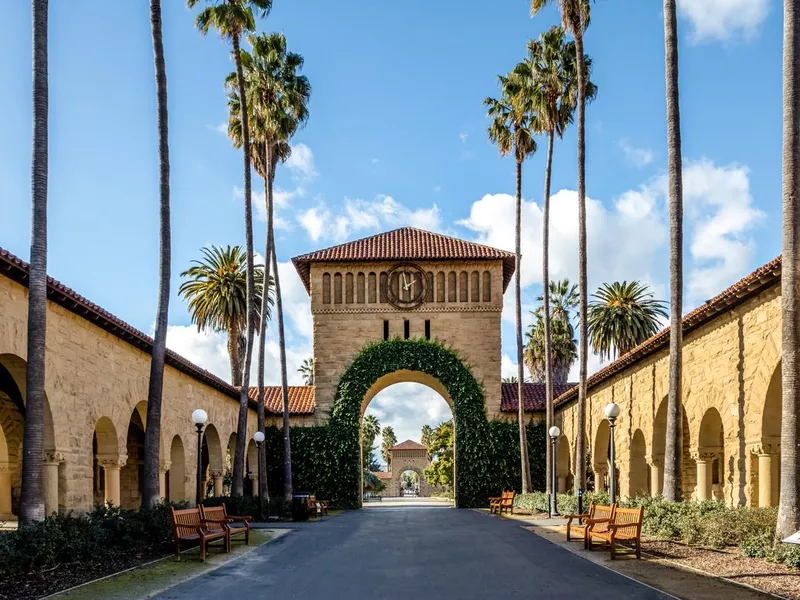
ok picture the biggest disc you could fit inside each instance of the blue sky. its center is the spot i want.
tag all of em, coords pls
(396, 136)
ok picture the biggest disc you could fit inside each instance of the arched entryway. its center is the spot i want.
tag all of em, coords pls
(600, 455)
(176, 477)
(213, 468)
(638, 483)
(709, 458)
(563, 466)
(765, 459)
(379, 365)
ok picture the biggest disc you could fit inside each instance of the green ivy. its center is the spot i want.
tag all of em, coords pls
(325, 459)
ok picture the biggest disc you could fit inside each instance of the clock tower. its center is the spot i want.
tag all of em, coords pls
(407, 283)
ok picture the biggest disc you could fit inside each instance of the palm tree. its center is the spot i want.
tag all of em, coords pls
(575, 17)
(278, 97)
(512, 130)
(152, 435)
(389, 440)
(550, 77)
(216, 291)
(788, 511)
(426, 436)
(563, 299)
(563, 345)
(307, 371)
(231, 19)
(622, 316)
(371, 427)
(32, 500)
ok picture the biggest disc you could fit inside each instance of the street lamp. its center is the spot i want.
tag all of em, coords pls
(199, 418)
(554, 433)
(612, 412)
(259, 438)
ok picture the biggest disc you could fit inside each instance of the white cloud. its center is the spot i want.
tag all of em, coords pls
(638, 157)
(375, 161)
(437, 188)
(721, 20)
(301, 162)
(219, 128)
(463, 137)
(356, 215)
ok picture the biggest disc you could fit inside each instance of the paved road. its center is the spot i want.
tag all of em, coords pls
(410, 553)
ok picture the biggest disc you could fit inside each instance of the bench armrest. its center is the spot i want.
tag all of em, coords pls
(576, 516)
(198, 528)
(240, 518)
(594, 521)
(622, 525)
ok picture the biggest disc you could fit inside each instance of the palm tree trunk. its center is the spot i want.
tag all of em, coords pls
(287, 442)
(32, 500)
(152, 434)
(672, 449)
(262, 336)
(233, 354)
(788, 515)
(548, 342)
(523, 437)
(583, 310)
(237, 487)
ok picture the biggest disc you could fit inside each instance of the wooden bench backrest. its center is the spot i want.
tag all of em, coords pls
(188, 516)
(214, 513)
(629, 516)
(604, 512)
(508, 498)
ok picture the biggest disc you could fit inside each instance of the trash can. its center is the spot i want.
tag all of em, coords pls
(300, 507)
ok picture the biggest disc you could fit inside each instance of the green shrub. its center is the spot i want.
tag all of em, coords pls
(539, 502)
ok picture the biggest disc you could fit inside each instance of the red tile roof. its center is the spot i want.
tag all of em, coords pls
(533, 393)
(16, 269)
(406, 243)
(408, 445)
(382, 474)
(301, 399)
(759, 280)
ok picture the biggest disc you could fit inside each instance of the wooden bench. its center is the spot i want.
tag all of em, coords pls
(578, 530)
(317, 507)
(626, 526)
(504, 502)
(217, 517)
(189, 526)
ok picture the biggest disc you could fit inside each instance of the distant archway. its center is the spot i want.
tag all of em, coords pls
(638, 483)
(177, 471)
(563, 466)
(711, 450)
(600, 455)
(766, 459)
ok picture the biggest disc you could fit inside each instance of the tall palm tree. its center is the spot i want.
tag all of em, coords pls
(788, 511)
(152, 435)
(307, 371)
(389, 440)
(672, 458)
(575, 18)
(371, 427)
(622, 316)
(215, 288)
(563, 346)
(32, 500)
(278, 97)
(512, 131)
(550, 76)
(426, 436)
(231, 19)
(563, 299)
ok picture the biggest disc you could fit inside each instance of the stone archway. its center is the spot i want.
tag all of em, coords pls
(600, 455)
(710, 452)
(638, 482)
(379, 365)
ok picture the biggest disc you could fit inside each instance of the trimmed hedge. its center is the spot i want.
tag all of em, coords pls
(325, 459)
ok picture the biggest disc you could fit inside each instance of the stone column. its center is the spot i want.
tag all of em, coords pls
(704, 462)
(5, 489)
(50, 477)
(254, 477)
(599, 478)
(162, 479)
(218, 477)
(111, 465)
(656, 476)
(764, 479)
(561, 486)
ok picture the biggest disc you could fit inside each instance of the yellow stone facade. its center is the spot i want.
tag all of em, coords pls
(96, 389)
(730, 412)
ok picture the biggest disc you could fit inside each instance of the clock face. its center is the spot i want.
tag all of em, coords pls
(407, 286)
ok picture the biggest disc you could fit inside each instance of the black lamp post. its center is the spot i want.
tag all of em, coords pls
(259, 439)
(554, 433)
(612, 412)
(199, 418)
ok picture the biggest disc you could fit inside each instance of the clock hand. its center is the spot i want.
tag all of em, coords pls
(413, 281)
(405, 282)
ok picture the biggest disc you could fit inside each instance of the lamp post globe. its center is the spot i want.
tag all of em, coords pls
(611, 412)
(554, 432)
(258, 437)
(199, 417)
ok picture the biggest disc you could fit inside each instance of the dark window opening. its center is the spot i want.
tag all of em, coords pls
(406, 329)
(386, 330)
(427, 329)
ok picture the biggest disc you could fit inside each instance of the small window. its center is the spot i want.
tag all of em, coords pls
(475, 295)
(406, 329)
(429, 290)
(487, 286)
(463, 285)
(384, 288)
(326, 288)
(386, 330)
(337, 288)
(452, 291)
(348, 288)
(427, 329)
(372, 293)
(360, 292)
(440, 291)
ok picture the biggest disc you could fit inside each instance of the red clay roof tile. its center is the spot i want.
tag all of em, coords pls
(408, 445)
(301, 399)
(533, 393)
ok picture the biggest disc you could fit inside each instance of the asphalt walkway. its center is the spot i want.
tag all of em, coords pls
(411, 552)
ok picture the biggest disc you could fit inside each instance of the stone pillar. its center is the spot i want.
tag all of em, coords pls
(656, 476)
(765, 479)
(5, 489)
(561, 486)
(162, 479)
(599, 478)
(218, 477)
(704, 462)
(254, 477)
(111, 466)
(50, 477)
